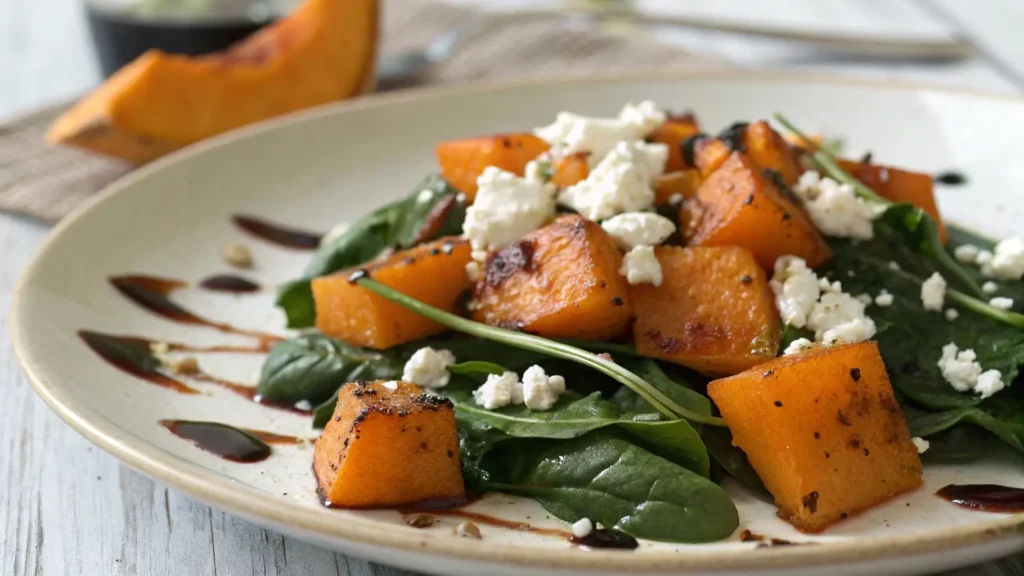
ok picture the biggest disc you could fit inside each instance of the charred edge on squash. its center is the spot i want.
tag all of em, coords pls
(514, 258)
(735, 136)
(616, 301)
(843, 419)
(810, 501)
(746, 279)
(687, 147)
(778, 403)
(434, 221)
(855, 374)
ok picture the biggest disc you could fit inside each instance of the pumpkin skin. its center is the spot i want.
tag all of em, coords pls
(323, 51)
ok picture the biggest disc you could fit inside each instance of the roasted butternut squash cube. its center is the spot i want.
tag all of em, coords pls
(571, 170)
(740, 206)
(759, 142)
(713, 311)
(434, 273)
(899, 186)
(823, 430)
(673, 133)
(463, 161)
(561, 281)
(670, 184)
(387, 447)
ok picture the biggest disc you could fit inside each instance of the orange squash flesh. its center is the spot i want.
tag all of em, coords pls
(434, 273)
(683, 183)
(823, 430)
(571, 170)
(899, 186)
(385, 448)
(713, 311)
(762, 144)
(738, 206)
(561, 281)
(324, 51)
(463, 161)
(673, 132)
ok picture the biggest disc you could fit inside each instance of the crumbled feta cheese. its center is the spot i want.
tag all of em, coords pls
(796, 290)
(894, 266)
(865, 299)
(966, 254)
(540, 391)
(571, 133)
(921, 444)
(952, 314)
(963, 372)
(989, 382)
(634, 229)
(620, 183)
(643, 118)
(506, 208)
(582, 528)
(539, 169)
(933, 292)
(984, 258)
(474, 270)
(990, 287)
(641, 266)
(799, 345)
(884, 299)
(835, 208)
(825, 286)
(390, 385)
(1001, 303)
(1007, 263)
(428, 367)
(837, 318)
(498, 391)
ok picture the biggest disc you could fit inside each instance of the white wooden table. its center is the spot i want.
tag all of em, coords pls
(68, 508)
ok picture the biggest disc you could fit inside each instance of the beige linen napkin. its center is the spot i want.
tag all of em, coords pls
(47, 183)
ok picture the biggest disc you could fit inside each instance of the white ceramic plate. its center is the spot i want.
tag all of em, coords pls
(317, 168)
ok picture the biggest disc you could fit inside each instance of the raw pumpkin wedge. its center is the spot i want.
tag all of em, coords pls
(388, 444)
(899, 185)
(823, 430)
(324, 51)
(463, 161)
(738, 205)
(560, 281)
(673, 133)
(434, 273)
(713, 311)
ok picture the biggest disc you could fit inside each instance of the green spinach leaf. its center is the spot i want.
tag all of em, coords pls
(605, 477)
(309, 368)
(434, 209)
(732, 460)
(573, 416)
(911, 338)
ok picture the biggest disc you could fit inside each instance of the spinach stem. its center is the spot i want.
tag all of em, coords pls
(653, 396)
(827, 164)
(1011, 318)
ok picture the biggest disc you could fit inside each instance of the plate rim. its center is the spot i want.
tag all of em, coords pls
(220, 492)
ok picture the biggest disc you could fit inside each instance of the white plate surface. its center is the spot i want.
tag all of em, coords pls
(317, 168)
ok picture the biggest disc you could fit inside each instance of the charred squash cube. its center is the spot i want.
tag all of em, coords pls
(738, 205)
(352, 313)
(823, 430)
(765, 147)
(713, 311)
(560, 281)
(385, 448)
(463, 161)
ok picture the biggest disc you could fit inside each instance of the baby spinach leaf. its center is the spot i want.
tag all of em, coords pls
(605, 477)
(309, 368)
(680, 393)
(573, 416)
(911, 338)
(477, 367)
(958, 444)
(432, 210)
(719, 444)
